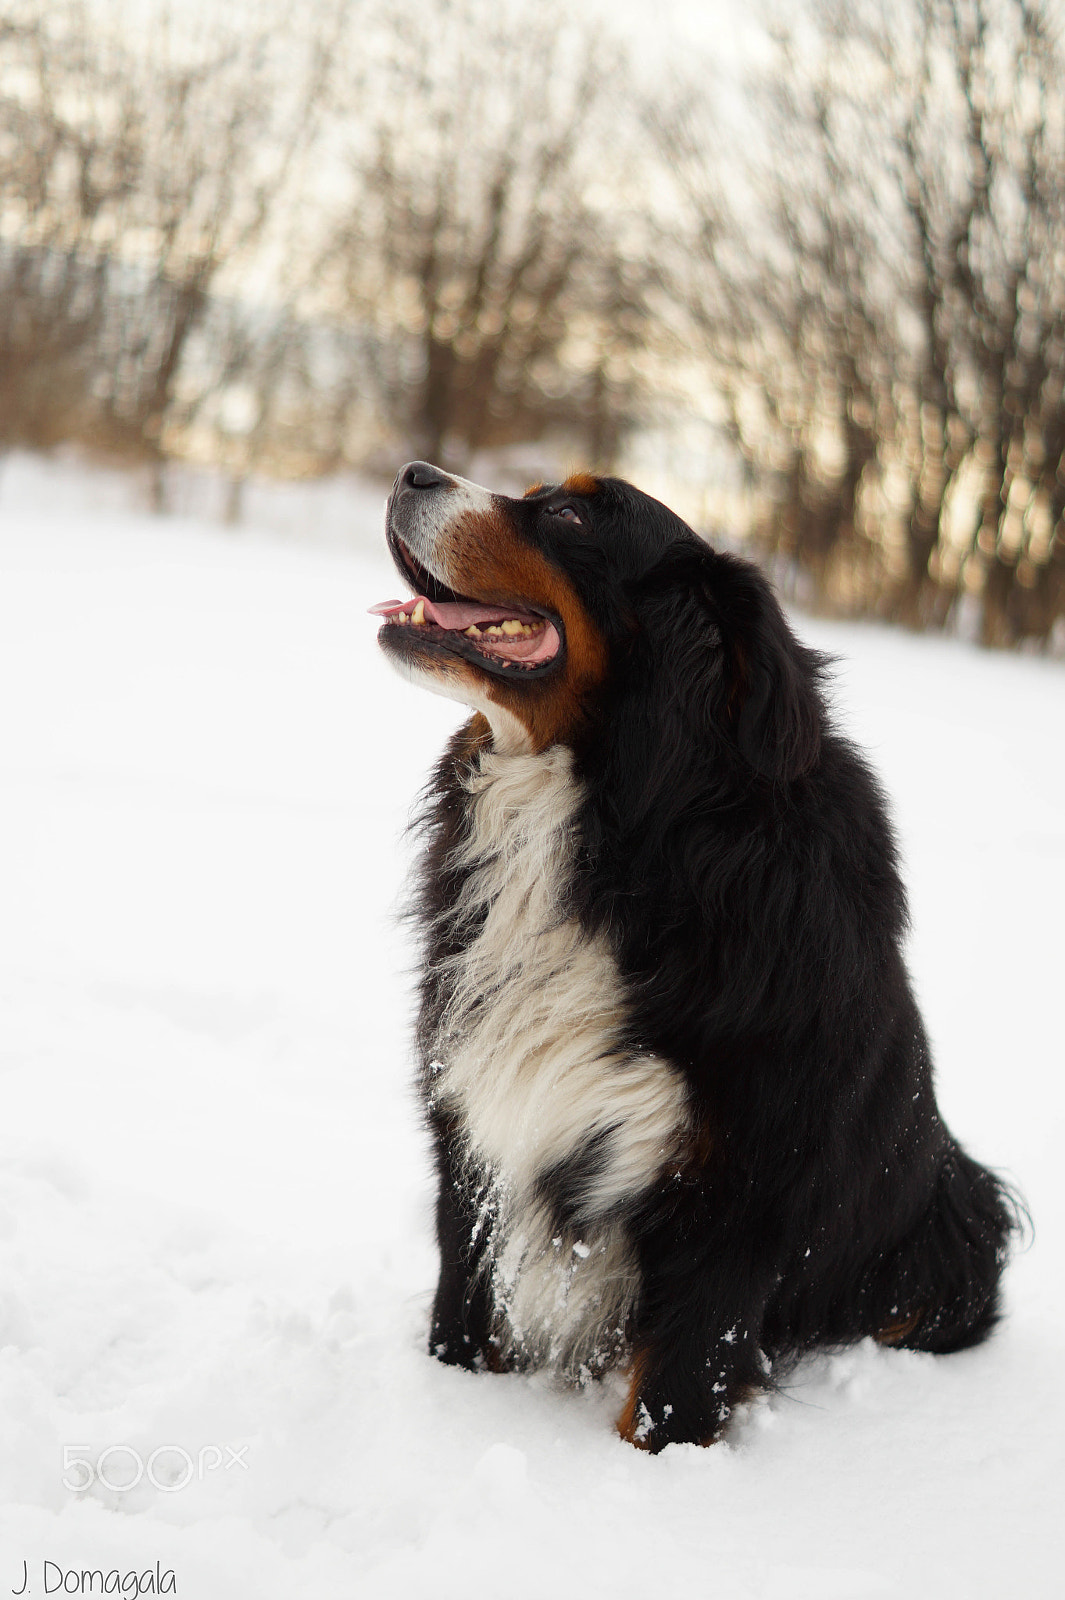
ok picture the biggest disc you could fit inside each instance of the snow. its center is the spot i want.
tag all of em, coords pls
(214, 1199)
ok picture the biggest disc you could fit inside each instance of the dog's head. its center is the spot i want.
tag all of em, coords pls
(587, 599)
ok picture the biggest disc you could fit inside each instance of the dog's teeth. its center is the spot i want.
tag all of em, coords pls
(473, 631)
(493, 629)
(511, 628)
(418, 614)
(403, 617)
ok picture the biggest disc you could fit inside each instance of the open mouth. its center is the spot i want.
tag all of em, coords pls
(501, 637)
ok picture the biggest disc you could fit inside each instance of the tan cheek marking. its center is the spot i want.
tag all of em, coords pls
(485, 557)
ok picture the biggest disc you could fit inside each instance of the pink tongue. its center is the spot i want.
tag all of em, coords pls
(451, 614)
(458, 615)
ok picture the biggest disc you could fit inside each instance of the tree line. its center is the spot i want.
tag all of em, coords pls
(392, 228)
(889, 336)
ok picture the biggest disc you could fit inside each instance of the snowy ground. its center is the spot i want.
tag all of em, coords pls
(215, 1257)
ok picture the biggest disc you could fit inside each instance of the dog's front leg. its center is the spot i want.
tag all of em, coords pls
(697, 1332)
(461, 1323)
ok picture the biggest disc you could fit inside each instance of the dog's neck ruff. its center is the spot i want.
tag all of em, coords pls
(563, 1126)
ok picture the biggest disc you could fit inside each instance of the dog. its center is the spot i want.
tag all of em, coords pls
(678, 1088)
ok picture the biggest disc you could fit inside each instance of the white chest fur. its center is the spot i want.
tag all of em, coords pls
(529, 1058)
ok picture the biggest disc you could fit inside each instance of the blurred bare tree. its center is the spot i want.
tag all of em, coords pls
(61, 185)
(142, 170)
(887, 326)
(388, 226)
(481, 235)
(990, 224)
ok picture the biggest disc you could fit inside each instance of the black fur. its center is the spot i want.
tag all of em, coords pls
(736, 852)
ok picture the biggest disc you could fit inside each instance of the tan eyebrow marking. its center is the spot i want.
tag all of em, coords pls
(581, 483)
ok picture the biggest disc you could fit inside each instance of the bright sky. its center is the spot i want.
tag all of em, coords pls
(664, 30)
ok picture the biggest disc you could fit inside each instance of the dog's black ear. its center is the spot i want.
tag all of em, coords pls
(715, 661)
(770, 681)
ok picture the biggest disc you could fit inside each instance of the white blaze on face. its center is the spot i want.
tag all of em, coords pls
(433, 511)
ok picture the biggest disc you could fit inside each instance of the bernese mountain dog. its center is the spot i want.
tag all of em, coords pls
(676, 1079)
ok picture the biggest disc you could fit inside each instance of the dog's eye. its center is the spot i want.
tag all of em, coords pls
(567, 514)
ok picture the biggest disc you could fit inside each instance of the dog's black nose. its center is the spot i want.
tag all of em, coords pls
(421, 475)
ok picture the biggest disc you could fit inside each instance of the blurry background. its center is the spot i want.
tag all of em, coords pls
(799, 272)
